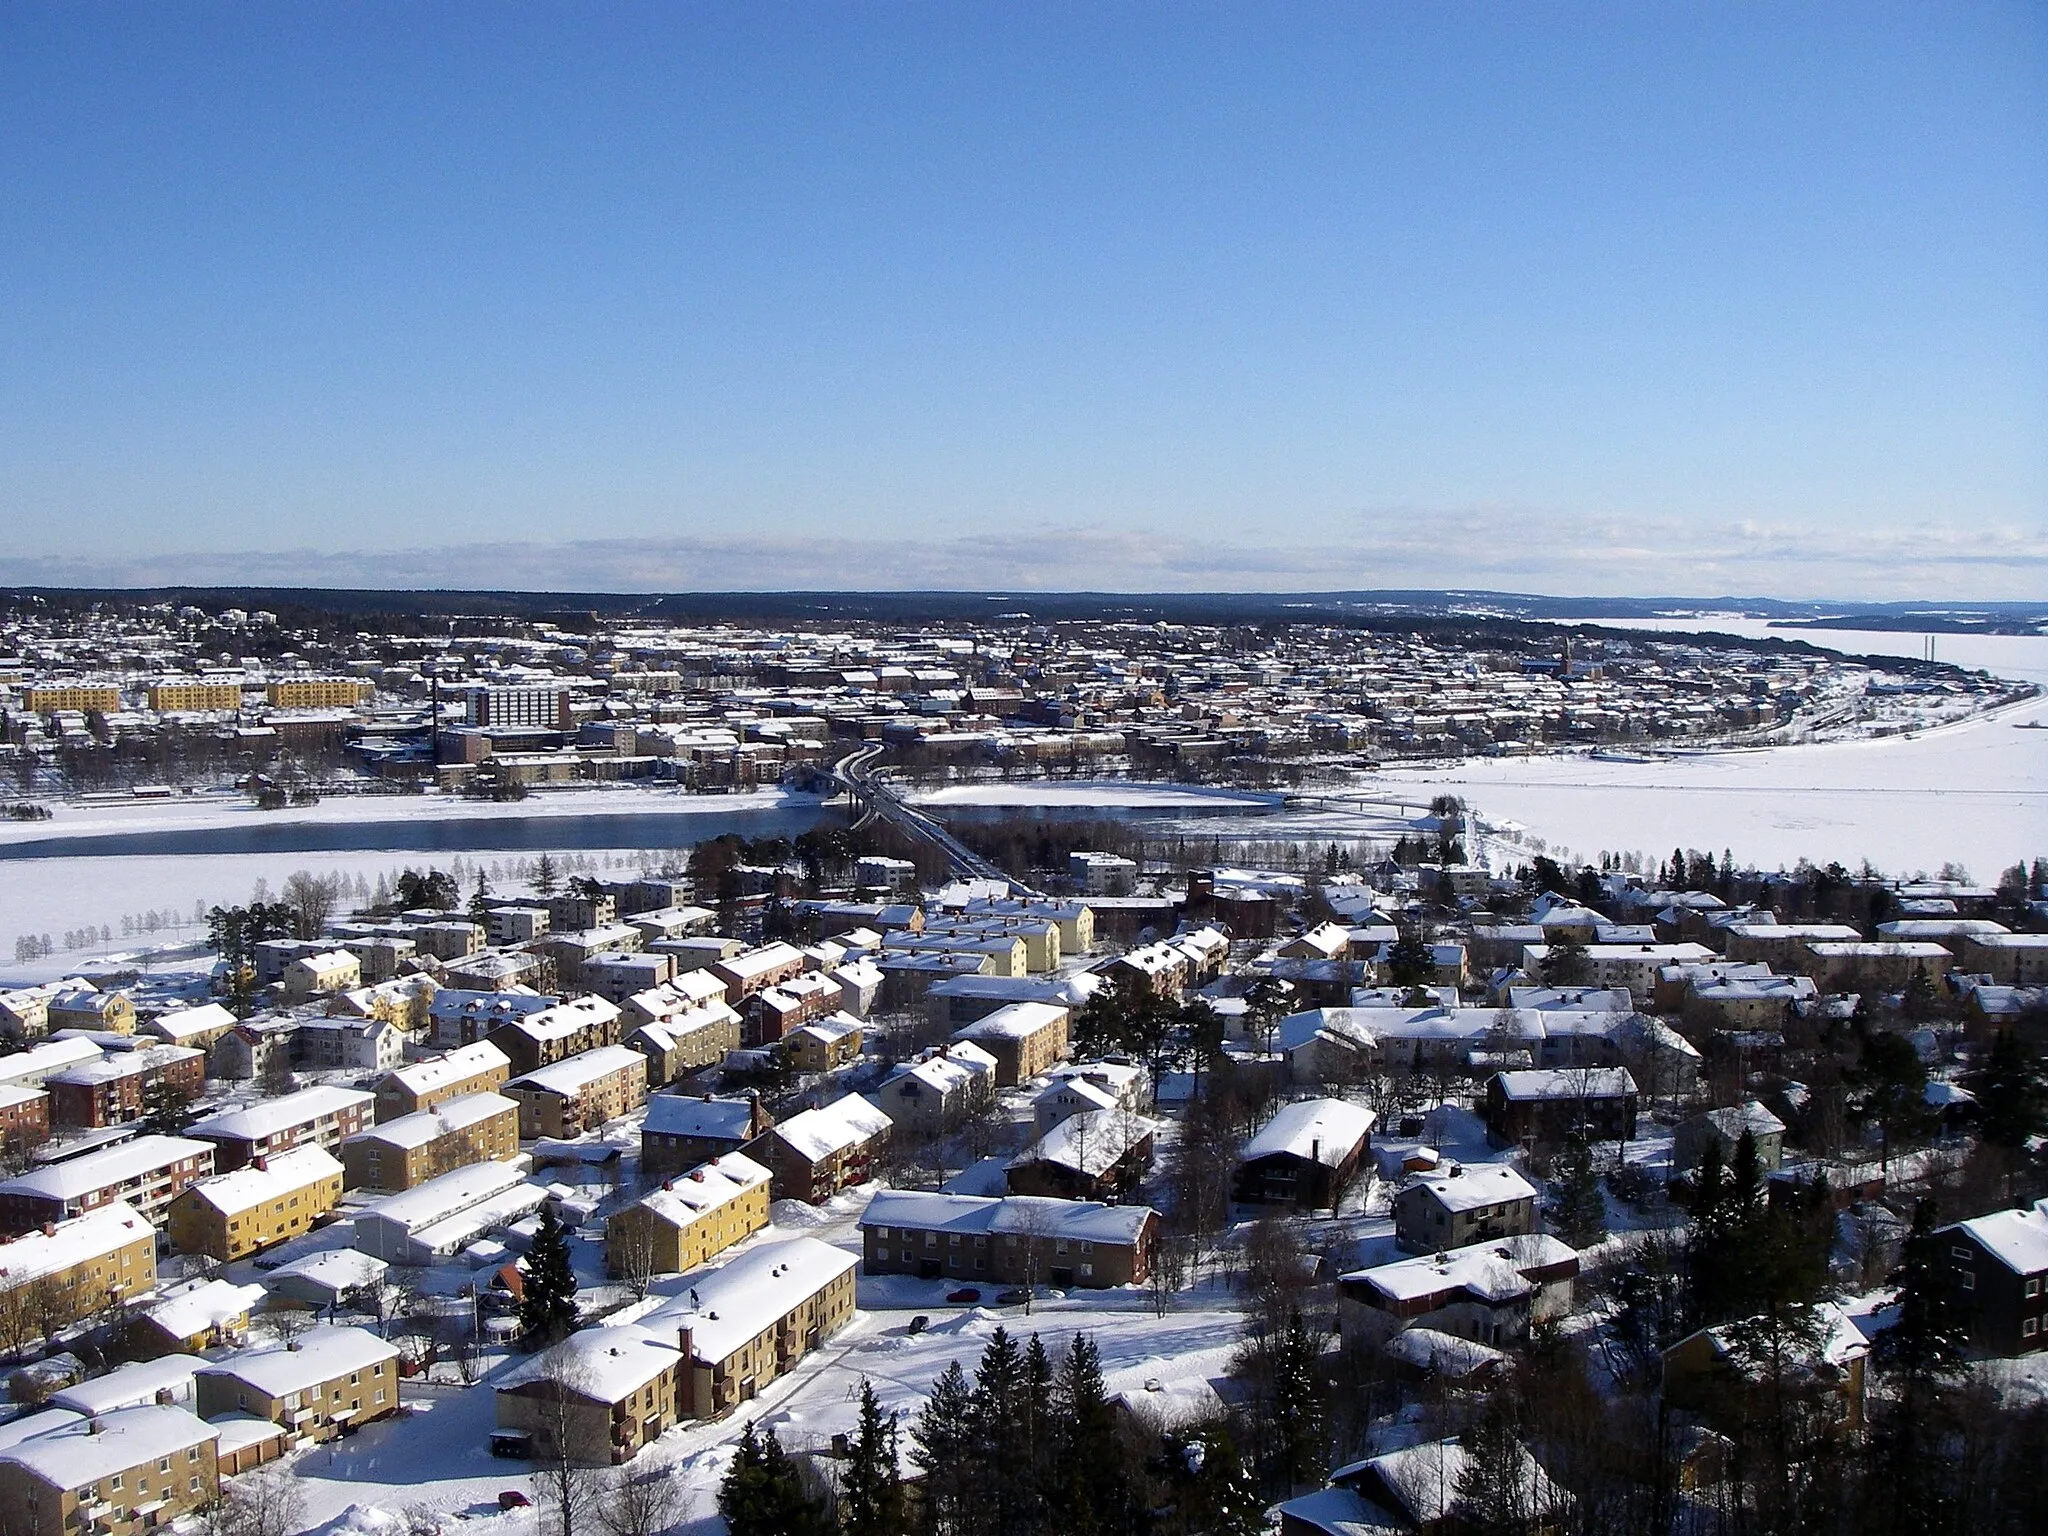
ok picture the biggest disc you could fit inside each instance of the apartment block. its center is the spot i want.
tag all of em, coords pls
(273, 1199)
(406, 1152)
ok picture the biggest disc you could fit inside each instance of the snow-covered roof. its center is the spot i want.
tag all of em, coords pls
(317, 1355)
(1749, 1116)
(565, 1020)
(688, 1196)
(185, 1023)
(271, 1116)
(817, 1134)
(280, 1174)
(2017, 1239)
(131, 1063)
(426, 1125)
(1327, 1130)
(1566, 1083)
(39, 1061)
(337, 1269)
(575, 1073)
(127, 1386)
(450, 1067)
(77, 1176)
(67, 1243)
(85, 1452)
(758, 962)
(832, 1028)
(1087, 1220)
(1494, 1271)
(680, 1114)
(203, 1308)
(1090, 1143)
(1013, 1021)
(1467, 1186)
(744, 1299)
(606, 1365)
(445, 1195)
(679, 1023)
(1431, 1349)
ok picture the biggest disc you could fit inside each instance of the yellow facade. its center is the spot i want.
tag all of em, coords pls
(196, 1225)
(48, 698)
(658, 1237)
(185, 693)
(318, 692)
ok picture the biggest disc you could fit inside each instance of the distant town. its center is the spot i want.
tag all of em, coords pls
(996, 1166)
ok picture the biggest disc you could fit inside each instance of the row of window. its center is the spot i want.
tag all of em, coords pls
(931, 1239)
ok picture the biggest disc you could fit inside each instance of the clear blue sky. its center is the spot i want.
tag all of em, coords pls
(1569, 298)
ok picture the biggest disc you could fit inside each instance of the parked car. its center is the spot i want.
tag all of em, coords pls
(1016, 1296)
(964, 1296)
(512, 1498)
(919, 1323)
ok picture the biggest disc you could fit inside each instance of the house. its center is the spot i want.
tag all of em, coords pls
(1464, 1204)
(1491, 1292)
(690, 1220)
(197, 1027)
(1149, 970)
(164, 1378)
(816, 1154)
(1415, 1492)
(81, 1266)
(554, 1034)
(960, 1000)
(824, 1045)
(1026, 1039)
(1097, 1155)
(406, 1152)
(742, 1326)
(598, 1396)
(326, 1382)
(1997, 1269)
(322, 1117)
(276, 1197)
(457, 1074)
(117, 1474)
(1307, 1155)
(1078, 1086)
(81, 1006)
(580, 1093)
(1325, 941)
(616, 977)
(213, 1314)
(118, 1088)
(686, 1040)
(1543, 1109)
(938, 1090)
(33, 1067)
(771, 1013)
(1018, 1240)
(25, 1011)
(1731, 1378)
(1689, 1138)
(682, 1130)
(329, 1278)
(332, 970)
(435, 1220)
(146, 1173)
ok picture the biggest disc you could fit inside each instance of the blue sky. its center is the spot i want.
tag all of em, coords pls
(1550, 297)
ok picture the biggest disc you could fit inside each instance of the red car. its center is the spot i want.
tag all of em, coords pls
(966, 1293)
(512, 1498)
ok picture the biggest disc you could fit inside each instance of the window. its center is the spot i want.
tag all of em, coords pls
(163, 1463)
(2030, 1327)
(193, 1486)
(1969, 1281)
(882, 1232)
(1087, 1271)
(952, 1239)
(2034, 1286)
(1960, 1255)
(115, 1481)
(380, 1396)
(192, 1454)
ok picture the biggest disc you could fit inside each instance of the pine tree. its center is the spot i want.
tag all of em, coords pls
(762, 1494)
(870, 1486)
(1214, 1490)
(547, 1307)
(1922, 1357)
(996, 1430)
(546, 880)
(943, 1450)
(1087, 1485)
(1581, 1205)
(1035, 1433)
(479, 913)
(1299, 1451)
(2009, 1093)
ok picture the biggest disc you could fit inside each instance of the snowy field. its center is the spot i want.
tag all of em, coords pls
(1105, 794)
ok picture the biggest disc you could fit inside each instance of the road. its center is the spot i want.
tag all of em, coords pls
(860, 776)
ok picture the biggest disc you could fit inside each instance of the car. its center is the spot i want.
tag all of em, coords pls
(919, 1323)
(965, 1295)
(512, 1498)
(1016, 1296)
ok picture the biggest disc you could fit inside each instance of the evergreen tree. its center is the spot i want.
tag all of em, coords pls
(996, 1422)
(1565, 964)
(547, 1307)
(762, 1494)
(1298, 1445)
(1581, 1206)
(2009, 1093)
(166, 1110)
(546, 879)
(1409, 960)
(1494, 1488)
(1087, 1485)
(1213, 1491)
(479, 913)
(870, 1485)
(942, 1448)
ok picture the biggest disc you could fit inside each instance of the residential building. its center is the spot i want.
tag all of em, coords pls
(82, 1266)
(212, 1314)
(457, 1074)
(600, 1396)
(1725, 1126)
(321, 1384)
(1084, 1085)
(333, 970)
(1097, 1155)
(272, 1199)
(825, 1045)
(116, 1474)
(742, 1326)
(691, 1219)
(146, 1173)
(1542, 1109)
(816, 1154)
(1465, 1204)
(119, 1088)
(753, 970)
(1018, 1240)
(80, 1006)
(554, 1034)
(1997, 1270)
(434, 1221)
(197, 1027)
(682, 1130)
(1416, 1492)
(1310, 1154)
(318, 692)
(1026, 1039)
(462, 1016)
(580, 1093)
(357, 1045)
(24, 1118)
(1713, 1375)
(1490, 1292)
(938, 1090)
(322, 1117)
(404, 1153)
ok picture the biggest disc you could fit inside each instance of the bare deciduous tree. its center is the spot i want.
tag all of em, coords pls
(265, 1501)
